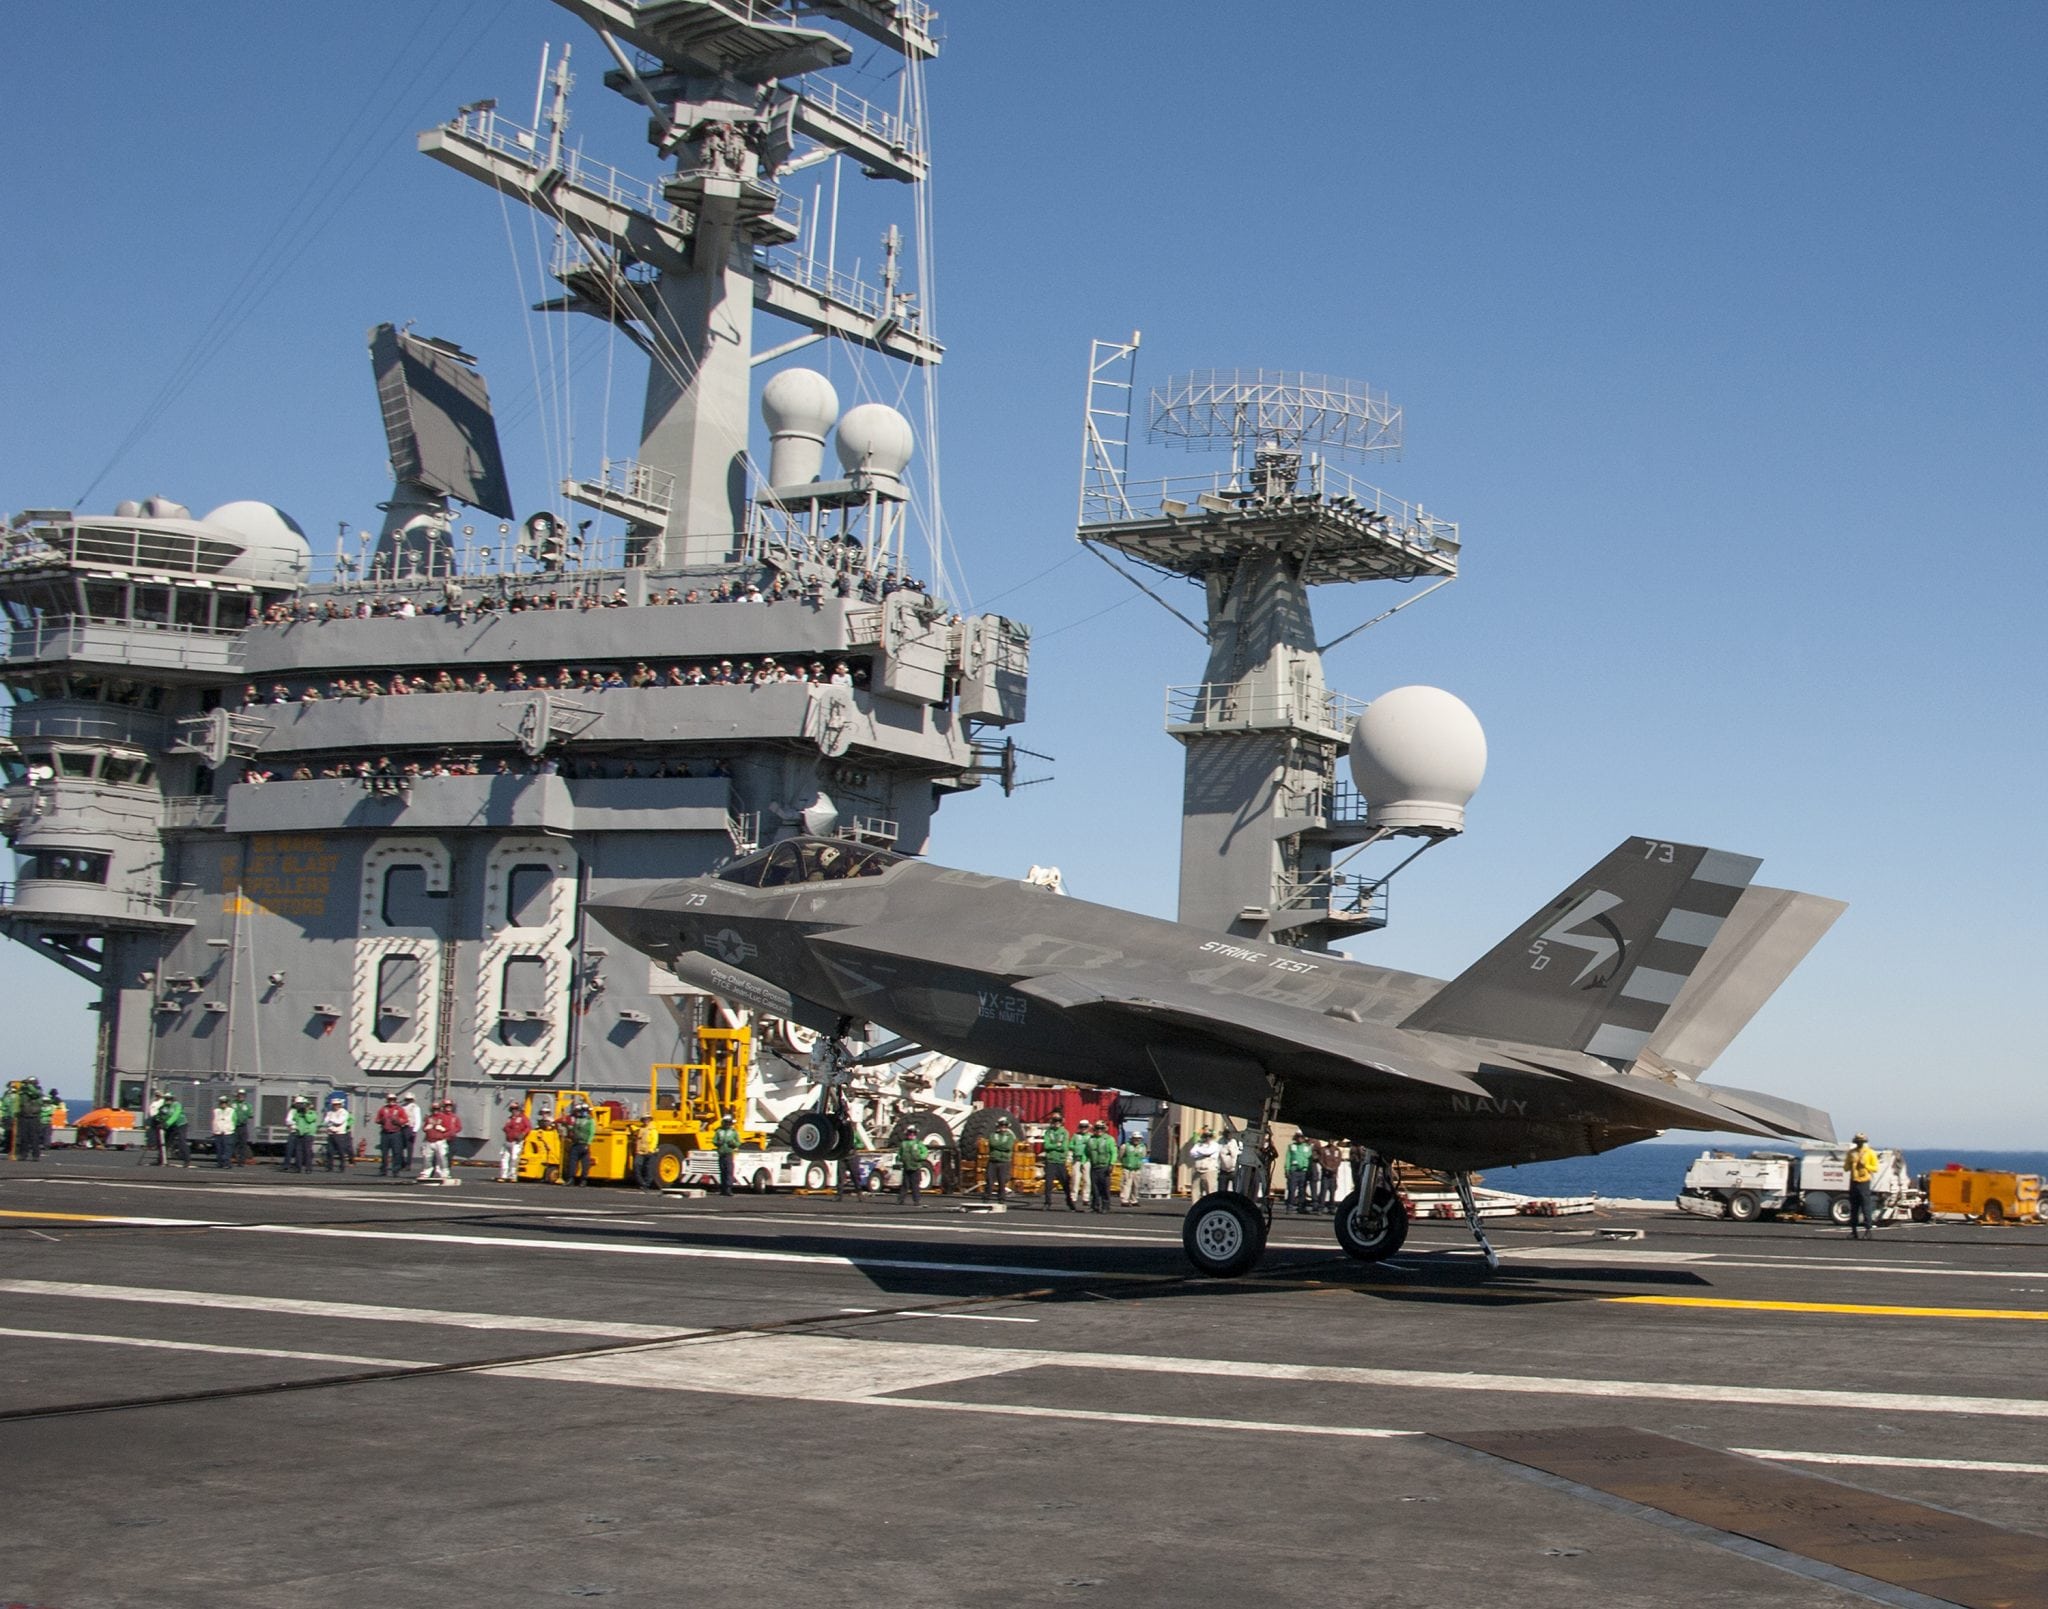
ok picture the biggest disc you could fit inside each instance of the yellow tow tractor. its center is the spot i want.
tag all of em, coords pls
(698, 1095)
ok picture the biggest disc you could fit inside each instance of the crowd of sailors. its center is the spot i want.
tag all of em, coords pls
(382, 774)
(457, 604)
(767, 671)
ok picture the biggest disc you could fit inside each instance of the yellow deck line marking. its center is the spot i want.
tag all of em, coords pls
(1871, 1308)
(102, 1218)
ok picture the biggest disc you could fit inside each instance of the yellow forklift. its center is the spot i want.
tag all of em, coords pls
(697, 1095)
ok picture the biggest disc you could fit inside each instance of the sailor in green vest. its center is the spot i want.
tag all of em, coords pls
(1054, 1147)
(10, 1113)
(1298, 1158)
(910, 1157)
(172, 1117)
(1101, 1163)
(304, 1123)
(1002, 1147)
(1132, 1158)
(726, 1141)
(245, 1118)
(28, 1121)
(582, 1131)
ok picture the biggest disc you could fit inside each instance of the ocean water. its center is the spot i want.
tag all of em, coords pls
(1654, 1170)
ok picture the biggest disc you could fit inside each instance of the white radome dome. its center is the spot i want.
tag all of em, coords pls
(799, 407)
(274, 549)
(1418, 755)
(876, 438)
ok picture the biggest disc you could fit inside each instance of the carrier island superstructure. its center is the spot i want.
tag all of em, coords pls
(339, 833)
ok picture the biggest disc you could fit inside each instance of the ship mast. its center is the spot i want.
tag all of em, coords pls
(681, 265)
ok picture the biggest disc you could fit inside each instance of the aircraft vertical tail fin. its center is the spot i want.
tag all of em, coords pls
(1597, 967)
(1766, 936)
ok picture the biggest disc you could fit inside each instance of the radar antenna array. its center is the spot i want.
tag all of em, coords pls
(1269, 408)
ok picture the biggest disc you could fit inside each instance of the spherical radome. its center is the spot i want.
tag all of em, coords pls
(801, 401)
(274, 549)
(876, 438)
(1418, 755)
(798, 406)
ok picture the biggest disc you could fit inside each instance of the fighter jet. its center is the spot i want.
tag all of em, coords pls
(1583, 1030)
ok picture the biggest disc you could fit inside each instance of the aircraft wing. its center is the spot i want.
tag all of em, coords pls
(1263, 1033)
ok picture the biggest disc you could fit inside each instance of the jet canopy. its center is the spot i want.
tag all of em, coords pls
(809, 860)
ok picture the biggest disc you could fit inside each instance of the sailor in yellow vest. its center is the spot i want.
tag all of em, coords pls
(1862, 1163)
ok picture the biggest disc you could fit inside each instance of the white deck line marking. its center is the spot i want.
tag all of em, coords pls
(752, 1364)
(966, 1318)
(1975, 1466)
(702, 1253)
(304, 1308)
(204, 1346)
(317, 1192)
(1105, 1416)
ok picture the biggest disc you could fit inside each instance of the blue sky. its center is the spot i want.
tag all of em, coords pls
(1718, 329)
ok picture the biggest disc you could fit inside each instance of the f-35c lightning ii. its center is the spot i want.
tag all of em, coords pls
(1583, 1030)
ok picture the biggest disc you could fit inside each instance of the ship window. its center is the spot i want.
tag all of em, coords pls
(398, 993)
(193, 608)
(62, 866)
(73, 764)
(153, 604)
(526, 891)
(106, 600)
(120, 769)
(231, 613)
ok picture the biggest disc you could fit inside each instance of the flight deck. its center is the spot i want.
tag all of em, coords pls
(250, 1388)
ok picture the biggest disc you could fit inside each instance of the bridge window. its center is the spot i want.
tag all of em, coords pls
(194, 608)
(62, 866)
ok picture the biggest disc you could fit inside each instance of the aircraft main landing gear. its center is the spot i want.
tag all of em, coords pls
(1224, 1234)
(1372, 1221)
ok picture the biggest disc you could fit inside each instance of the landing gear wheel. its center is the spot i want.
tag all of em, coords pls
(668, 1166)
(815, 1136)
(1743, 1207)
(1372, 1242)
(1224, 1234)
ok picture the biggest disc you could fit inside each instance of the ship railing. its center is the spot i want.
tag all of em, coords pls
(1332, 802)
(49, 543)
(1346, 895)
(483, 126)
(129, 727)
(641, 483)
(1237, 491)
(1228, 706)
(204, 811)
(795, 264)
(847, 107)
(743, 827)
(208, 647)
(109, 901)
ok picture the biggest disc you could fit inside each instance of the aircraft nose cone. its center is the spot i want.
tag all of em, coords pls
(627, 915)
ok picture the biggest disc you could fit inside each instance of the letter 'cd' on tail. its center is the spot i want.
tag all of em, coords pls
(1597, 967)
